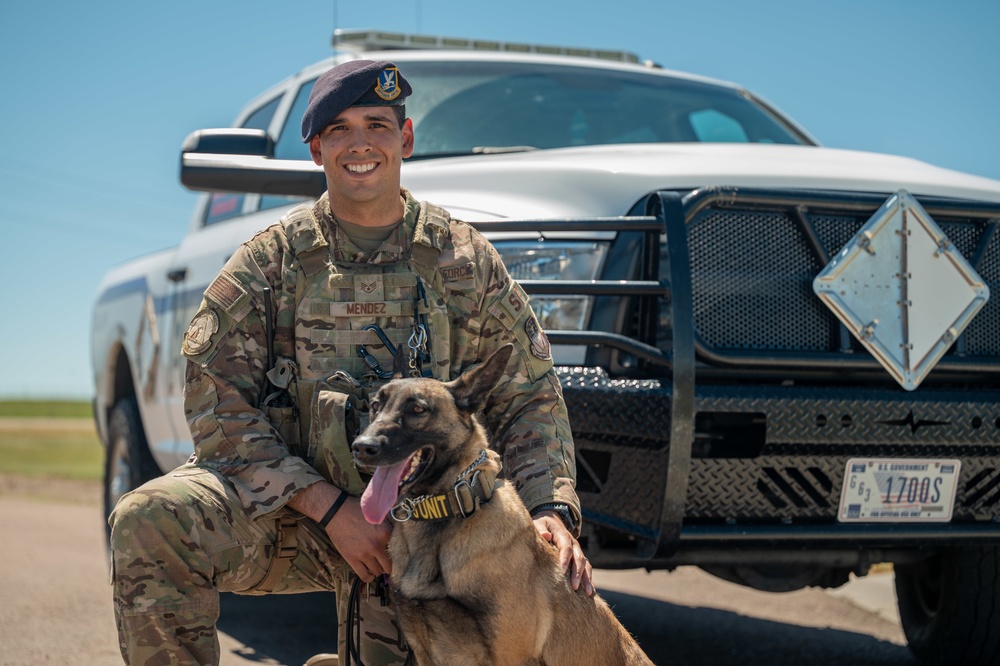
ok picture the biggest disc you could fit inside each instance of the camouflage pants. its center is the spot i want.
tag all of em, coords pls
(181, 539)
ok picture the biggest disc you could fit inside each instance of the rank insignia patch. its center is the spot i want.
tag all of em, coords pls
(388, 84)
(539, 341)
(199, 334)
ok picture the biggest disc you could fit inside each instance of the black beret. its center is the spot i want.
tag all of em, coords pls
(354, 83)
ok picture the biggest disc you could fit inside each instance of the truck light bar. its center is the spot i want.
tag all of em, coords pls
(376, 40)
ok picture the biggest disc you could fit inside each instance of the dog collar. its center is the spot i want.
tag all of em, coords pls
(473, 487)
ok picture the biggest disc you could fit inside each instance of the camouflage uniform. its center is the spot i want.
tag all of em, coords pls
(210, 525)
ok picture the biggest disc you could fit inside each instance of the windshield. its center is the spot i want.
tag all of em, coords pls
(460, 108)
(465, 107)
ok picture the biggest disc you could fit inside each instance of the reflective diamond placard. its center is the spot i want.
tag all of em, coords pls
(903, 289)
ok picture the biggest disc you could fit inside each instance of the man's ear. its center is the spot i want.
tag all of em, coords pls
(315, 151)
(473, 386)
(407, 138)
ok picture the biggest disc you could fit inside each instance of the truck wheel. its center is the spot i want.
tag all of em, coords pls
(128, 463)
(949, 605)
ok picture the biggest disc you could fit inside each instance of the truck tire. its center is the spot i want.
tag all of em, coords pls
(128, 463)
(949, 605)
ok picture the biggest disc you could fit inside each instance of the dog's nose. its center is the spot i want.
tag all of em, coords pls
(366, 445)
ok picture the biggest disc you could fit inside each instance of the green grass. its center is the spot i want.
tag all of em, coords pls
(63, 455)
(68, 449)
(56, 409)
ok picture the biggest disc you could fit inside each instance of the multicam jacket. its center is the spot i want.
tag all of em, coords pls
(431, 269)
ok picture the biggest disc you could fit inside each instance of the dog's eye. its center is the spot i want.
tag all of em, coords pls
(374, 406)
(417, 409)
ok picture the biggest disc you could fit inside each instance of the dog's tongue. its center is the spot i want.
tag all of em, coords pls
(382, 491)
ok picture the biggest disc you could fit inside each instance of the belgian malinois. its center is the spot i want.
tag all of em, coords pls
(473, 580)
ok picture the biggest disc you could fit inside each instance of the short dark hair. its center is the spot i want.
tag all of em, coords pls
(400, 112)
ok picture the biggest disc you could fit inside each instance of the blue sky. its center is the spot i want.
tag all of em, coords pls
(98, 97)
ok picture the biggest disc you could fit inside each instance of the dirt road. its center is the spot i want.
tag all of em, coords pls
(57, 604)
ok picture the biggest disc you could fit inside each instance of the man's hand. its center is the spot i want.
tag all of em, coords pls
(365, 547)
(571, 557)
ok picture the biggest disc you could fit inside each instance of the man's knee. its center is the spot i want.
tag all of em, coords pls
(159, 560)
(143, 514)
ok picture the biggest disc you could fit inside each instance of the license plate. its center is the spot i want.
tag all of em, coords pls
(895, 490)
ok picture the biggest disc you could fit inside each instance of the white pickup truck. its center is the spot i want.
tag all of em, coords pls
(781, 360)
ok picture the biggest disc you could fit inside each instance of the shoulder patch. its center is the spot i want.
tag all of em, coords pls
(540, 346)
(230, 295)
(515, 301)
(199, 334)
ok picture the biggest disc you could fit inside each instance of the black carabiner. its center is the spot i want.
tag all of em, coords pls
(373, 363)
(383, 337)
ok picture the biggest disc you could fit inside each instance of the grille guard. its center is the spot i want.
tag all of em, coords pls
(669, 214)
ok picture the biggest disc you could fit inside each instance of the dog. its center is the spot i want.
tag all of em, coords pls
(473, 580)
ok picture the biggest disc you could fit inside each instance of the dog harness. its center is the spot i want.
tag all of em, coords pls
(473, 487)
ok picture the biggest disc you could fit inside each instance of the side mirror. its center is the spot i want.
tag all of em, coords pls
(229, 142)
(242, 160)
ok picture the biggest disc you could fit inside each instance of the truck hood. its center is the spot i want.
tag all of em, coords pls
(609, 180)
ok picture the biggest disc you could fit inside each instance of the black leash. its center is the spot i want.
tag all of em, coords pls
(354, 622)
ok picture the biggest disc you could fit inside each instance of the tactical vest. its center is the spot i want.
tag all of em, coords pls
(335, 301)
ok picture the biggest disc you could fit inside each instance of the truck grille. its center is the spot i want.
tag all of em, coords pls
(753, 265)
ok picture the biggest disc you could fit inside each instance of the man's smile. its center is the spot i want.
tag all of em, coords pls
(361, 168)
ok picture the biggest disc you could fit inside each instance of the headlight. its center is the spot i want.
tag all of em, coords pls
(555, 260)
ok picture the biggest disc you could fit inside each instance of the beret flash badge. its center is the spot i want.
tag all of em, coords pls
(388, 84)
(539, 341)
(199, 334)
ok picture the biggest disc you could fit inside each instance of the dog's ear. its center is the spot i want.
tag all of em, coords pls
(473, 386)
